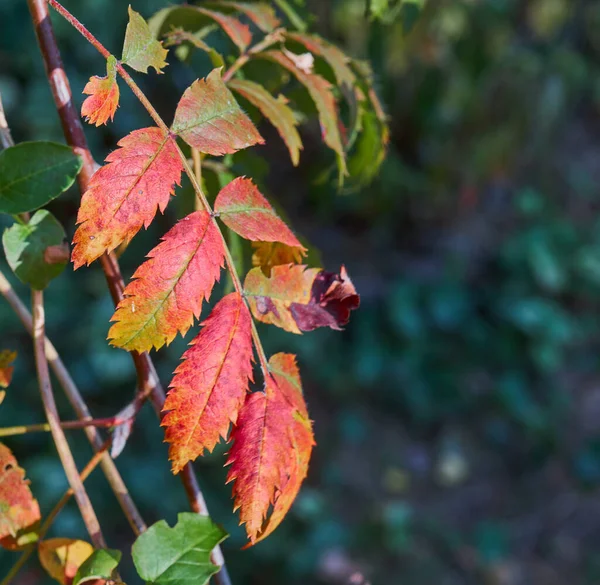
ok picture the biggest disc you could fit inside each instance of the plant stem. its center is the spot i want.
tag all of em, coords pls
(85, 472)
(74, 396)
(147, 377)
(62, 446)
(188, 170)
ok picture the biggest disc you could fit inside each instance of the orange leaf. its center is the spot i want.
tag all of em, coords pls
(104, 96)
(19, 511)
(209, 119)
(124, 195)
(269, 254)
(61, 557)
(7, 357)
(272, 443)
(320, 91)
(243, 208)
(275, 110)
(210, 385)
(297, 299)
(167, 290)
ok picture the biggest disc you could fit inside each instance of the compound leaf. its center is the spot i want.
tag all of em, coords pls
(36, 251)
(275, 110)
(243, 209)
(167, 290)
(209, 119)
(124, 195)
(210, 384)
(180, 555)
(140, 49)
(34, 173)
(299, 299)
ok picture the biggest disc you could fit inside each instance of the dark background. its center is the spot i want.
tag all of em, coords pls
(457, 415)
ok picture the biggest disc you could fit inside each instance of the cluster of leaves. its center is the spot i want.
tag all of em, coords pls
(210, 396)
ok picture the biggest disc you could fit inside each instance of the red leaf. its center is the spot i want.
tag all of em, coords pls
(19, 511)
(320, 91)
(243, 209)
(209, 119)
(260, 13)
(104, 96)
(124, 195)
(238, 32)
(210, 385)
(272, 443)
(275, 110)
(299, 300)
(7, 357)
(167, 290)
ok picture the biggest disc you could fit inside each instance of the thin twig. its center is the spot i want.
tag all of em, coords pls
(62, 446)
(85, 472)
(147, 377)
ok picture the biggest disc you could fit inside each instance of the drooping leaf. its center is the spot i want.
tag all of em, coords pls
(100, 565)
(261, 455)
(297, 299)
(7, 357)
(369, 150)
(167, 290)
(19, 511)
(243, 209)
(275, 110)
(209, 119)
(210, 384)
(178, 37)
(140, 49)
(104, 96)
(260, 13)
(269, 254)
(237, 31)
(124, 194)
(62, 557)
(32, 249)
(34, 173)
(180, 555)
(321, 93)
(285, 371)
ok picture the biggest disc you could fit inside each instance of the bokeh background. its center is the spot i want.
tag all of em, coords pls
(457, 416)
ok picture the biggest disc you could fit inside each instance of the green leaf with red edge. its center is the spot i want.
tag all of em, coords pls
(167, 290)
(297, 299)
(19, 511)
(62, 557)
(269, 254)
(285, 371)
(260, 13)
(244, 209)
(275, 110)
(321, 93)
(140, 49)
(103, 95)
(124, 195)
(7, 357)
(209, 119)
(210, 385)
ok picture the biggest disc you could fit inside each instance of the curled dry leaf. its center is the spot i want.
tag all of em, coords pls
(124, 194)
(7, 357)
(210, 384)
(167, 290)
(269, 254)
(62, 557)
(19, 511)
(103, 95)
(299, 299)
(244, 209)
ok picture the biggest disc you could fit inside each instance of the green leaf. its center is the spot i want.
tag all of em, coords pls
(36, 251)
(141, 50)
(100, 565)
(180, 555)
(34, 173)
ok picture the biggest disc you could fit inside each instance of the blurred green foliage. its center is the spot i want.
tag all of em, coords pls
(457, 417)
